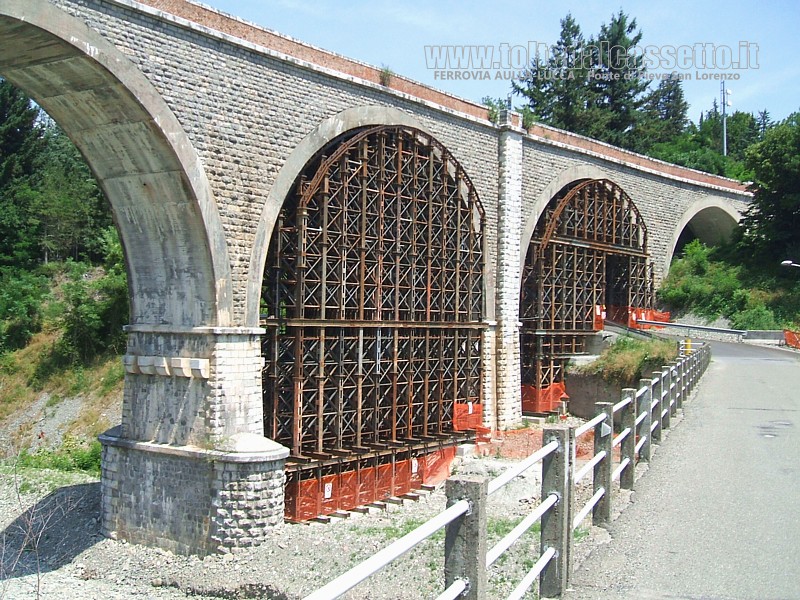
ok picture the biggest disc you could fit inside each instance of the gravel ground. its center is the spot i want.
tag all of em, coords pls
(59, 514)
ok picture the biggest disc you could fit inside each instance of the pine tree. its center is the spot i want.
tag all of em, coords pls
(20, 134)
(617, 84)
(763, 122)
(664, 115)
(773, 218)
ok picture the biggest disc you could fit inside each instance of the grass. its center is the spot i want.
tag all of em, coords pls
(98, 388)
(394, 531)
(41, 481)
(628, 359)
(73, 455)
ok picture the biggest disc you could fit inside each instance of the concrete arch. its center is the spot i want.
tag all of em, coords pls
(326, 131)
(565, 177)
(176, 255)
(711, 220)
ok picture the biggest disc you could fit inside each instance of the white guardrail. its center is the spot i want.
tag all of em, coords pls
(643, 414)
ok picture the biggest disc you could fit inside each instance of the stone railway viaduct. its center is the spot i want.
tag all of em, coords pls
(197, 126)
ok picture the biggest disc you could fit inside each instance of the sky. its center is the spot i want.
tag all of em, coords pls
(706, 36)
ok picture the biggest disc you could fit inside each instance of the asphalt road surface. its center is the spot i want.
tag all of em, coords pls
(717, 516)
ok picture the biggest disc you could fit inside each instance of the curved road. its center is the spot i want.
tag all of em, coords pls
(717, 516)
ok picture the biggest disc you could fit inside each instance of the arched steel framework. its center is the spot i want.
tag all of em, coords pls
(588, 253)
(373, 299)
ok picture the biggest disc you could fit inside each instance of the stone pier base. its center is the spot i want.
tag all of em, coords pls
(190, 500)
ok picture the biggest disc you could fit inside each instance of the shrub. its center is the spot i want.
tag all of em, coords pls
(73, 455)
(21, 297)
(628, 359)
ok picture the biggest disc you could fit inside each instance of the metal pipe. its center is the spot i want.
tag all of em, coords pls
(515, 471)
(588, 507)
(518, 531)
(350, 579)
(641, 442)
(622, 404)
(618, 471)
(458, 587)
(641, 417)
(532, 575)
(590, 425)
(622, 435)
(589, 466)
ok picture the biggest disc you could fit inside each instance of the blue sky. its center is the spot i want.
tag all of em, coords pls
(395, 34)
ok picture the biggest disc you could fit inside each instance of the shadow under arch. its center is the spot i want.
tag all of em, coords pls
(162, 203)
(311, 144)
(711, 220)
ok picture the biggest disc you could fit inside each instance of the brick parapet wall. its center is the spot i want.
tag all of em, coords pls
(218, 21)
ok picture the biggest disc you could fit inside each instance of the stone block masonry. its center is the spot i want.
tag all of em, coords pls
(196, 125)
(190, 500)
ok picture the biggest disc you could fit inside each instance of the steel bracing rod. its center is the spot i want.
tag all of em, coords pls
(386, 230)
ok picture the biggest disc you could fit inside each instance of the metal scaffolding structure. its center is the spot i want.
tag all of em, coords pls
(373, 301)
(588, 255)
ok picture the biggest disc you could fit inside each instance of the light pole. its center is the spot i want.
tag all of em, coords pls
(725, 102)
(789, 263)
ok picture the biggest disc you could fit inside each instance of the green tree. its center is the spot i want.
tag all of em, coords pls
(772, 222)
(763, 123)
(616, 84)
(20, 134)
(71, 212)
(567, 90)
(664, 115)
(494, 106)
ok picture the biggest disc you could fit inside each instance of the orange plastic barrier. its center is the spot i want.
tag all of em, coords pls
(467, 415)
(547, 399)
(308, 498)
(599, 317)
(792, 338)
(630, 316)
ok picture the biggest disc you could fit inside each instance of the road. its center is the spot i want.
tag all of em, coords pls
(717, 516)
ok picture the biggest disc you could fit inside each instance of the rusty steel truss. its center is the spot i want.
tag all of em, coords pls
(588, 253)
(373, 299)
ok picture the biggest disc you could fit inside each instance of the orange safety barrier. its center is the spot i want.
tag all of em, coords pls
(599, 317)
(651, 314)
(437, 465)
(630, 316)
(792, 338)
(467, 415)
(547, 399)
(309, 498)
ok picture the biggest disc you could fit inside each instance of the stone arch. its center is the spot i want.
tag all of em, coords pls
(373, 298)
(710, 220)
(572, 174)
(587, 252)
(309, 146)
(162, 203)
